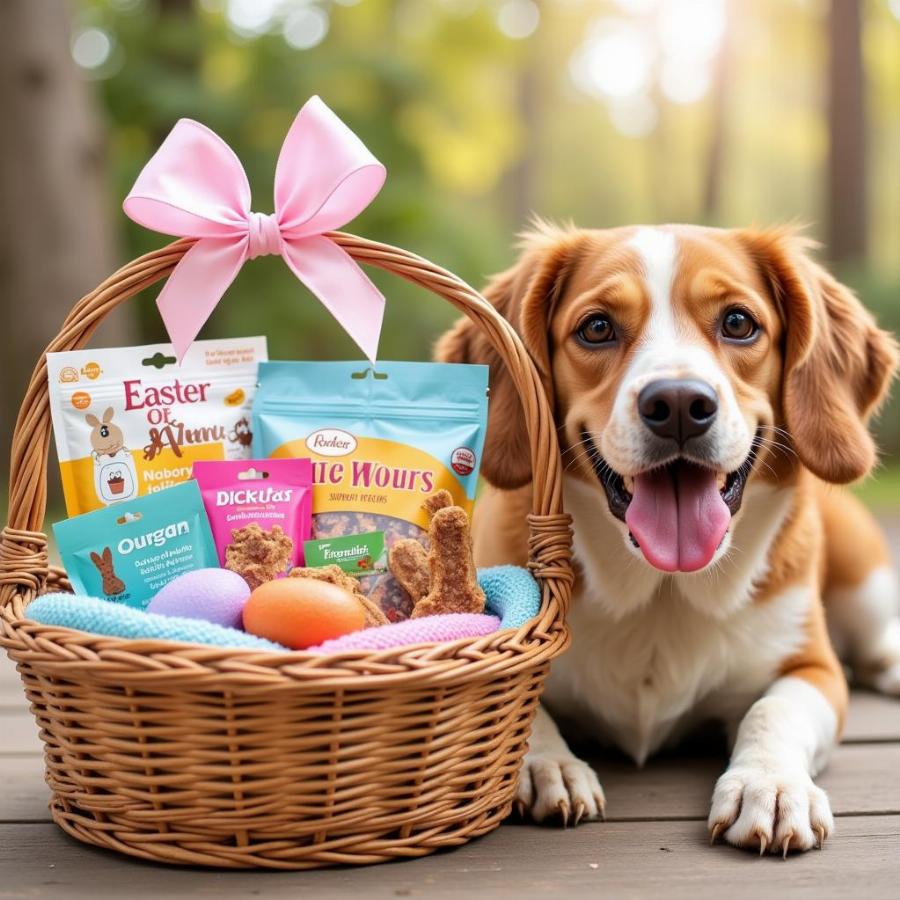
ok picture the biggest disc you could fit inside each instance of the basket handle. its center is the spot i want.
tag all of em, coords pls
(23, 546)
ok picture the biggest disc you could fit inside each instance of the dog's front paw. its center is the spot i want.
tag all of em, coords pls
(559, 787)
(764, 805)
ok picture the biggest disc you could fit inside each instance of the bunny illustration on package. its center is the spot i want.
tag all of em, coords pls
(112, 584)
(115, 477)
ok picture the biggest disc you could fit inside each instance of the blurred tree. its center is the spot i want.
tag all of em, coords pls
(59, 243)
(847, 208)
(721, 102)
(522, 175)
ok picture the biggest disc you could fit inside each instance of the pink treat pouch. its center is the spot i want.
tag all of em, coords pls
(260, 512)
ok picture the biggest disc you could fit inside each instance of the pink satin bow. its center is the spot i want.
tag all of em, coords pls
(195, 186)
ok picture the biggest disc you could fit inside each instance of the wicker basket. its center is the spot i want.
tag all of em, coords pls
(200, 755)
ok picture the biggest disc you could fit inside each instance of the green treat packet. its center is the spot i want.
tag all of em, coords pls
(355, 554)
(126, 552)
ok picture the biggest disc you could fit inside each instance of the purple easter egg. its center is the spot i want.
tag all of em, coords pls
(215, 595)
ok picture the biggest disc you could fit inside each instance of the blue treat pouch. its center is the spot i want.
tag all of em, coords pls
(127, 552)
(381, 442)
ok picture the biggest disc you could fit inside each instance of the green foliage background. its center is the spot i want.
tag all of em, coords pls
(437, 92)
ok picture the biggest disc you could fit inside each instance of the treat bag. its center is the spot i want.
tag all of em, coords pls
(260, 512)
(127, 552)
(381, 441)
(129, 420)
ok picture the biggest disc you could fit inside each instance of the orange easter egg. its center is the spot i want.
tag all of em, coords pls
(302, 612)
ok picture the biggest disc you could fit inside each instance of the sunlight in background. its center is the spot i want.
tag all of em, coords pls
(306, 27)
(91, 47)
(635, 116)
(518, 19)
(303, 23)
(614, 61)
(691, 29)
(664, 45)
(648, 48)
(251, 17)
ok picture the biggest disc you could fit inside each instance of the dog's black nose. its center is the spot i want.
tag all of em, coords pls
(678, 408)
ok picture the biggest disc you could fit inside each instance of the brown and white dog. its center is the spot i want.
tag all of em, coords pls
(710, 388)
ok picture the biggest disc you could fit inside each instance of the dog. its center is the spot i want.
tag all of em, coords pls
(711, 388)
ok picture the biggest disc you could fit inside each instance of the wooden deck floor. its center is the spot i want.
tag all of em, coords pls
(654, 843)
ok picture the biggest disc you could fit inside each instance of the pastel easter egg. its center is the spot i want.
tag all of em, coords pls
(302, 612)
(216, 595)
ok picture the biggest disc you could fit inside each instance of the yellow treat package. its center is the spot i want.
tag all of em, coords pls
(129, 421)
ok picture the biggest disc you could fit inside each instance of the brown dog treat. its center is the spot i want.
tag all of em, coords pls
(258, 555)
(438, 500)
(408, 559)
(332, 574)
(112, 584)
(408, 562)
(374, 614)
(254, 574)
(337, 576)
(454, 585)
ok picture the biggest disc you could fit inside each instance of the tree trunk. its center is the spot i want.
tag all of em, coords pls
(847, 225)
(58, 241)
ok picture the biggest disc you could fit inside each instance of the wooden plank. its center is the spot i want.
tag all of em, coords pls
(24, 794)
(862, 779)
(18, 732)
(626, 859)
(872, 717)
(11, 693)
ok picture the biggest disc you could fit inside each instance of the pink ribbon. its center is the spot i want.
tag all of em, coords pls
(195, 186)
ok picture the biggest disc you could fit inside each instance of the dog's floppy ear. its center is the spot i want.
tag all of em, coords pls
(524, 295)
(838, 364)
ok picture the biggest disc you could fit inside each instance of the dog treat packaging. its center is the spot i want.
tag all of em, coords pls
(130, 421)
(127, 552)
(260, 512)
(355, 554)
(381, 441)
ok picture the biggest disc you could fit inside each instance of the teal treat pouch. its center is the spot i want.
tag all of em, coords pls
(127, 552)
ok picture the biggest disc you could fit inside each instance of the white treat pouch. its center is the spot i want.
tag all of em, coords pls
(129, 421)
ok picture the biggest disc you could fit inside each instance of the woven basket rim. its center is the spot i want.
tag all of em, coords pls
(25, 573)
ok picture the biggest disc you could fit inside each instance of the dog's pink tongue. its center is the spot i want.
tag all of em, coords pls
(678, 517)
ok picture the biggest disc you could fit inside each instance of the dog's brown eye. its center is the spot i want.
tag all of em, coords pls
(596, 330)
(739, 325)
